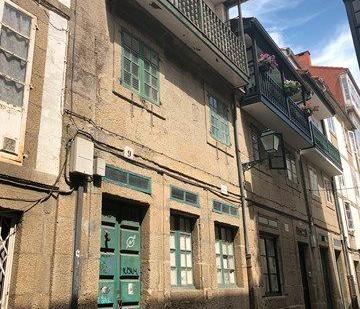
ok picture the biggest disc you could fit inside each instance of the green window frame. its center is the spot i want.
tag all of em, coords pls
(128, 179)
(222, 208)
(219, 121)
(181, 251)
(140, 68)
(270, 264)
(225, 257)
(183, 196)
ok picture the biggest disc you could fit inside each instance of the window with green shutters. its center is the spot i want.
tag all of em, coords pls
(219, 121)
(181, 260)
(140, 68)
(225, 260)
(269, 265)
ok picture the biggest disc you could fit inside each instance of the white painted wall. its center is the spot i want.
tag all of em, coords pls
(50, 133)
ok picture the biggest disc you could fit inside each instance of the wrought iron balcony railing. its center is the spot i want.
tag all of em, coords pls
(212, 27)
(325, 147)
(275, 95)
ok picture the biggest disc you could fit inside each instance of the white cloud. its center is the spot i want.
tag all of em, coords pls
(278, 37)
(338, 51)
(264, 8)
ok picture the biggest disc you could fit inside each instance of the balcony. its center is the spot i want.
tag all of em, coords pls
(268, 104)
(196, 24)
(323, 153)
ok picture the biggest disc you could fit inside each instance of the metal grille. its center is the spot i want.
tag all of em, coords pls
(219, 33)
(7, 236)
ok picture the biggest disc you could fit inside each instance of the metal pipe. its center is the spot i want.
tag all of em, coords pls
(77, 246)
(351, 282)
(244, 205)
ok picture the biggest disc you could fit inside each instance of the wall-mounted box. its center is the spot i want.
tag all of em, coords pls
(82, 156)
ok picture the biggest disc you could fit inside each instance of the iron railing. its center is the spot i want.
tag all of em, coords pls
(274, 93)
(326, 147)
(218, 32)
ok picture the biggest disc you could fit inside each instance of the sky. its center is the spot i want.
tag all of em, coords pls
(320, 26)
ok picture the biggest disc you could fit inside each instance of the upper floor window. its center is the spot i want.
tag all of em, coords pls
(331, 124)
(291, 168)
(16, 47)
(314, 184)
(219, 121)
(140, 68)
(225, 258)
(328, 190)
(269, 264)
(355, 183)
(349, 217)
(181, 252)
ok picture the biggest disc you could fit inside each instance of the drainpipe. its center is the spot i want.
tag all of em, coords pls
(307, 203)
(244, 208)
(350, 276)
(75, 283)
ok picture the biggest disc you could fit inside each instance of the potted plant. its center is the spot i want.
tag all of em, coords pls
(291, 87)
(267, 62)
(308, 109)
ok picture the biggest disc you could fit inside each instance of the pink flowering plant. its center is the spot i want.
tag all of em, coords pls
(309, 109)
(267, 62)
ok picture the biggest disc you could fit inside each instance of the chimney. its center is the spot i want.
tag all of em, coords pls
(304, 59)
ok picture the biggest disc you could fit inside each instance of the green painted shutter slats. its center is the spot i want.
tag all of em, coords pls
(219, 121)
(140, 68)
(184, 196)
(128, 179)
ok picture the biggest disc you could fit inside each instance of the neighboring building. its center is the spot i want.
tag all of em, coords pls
(344, 132)
(353, 12)
(33, 51)
(291, 205)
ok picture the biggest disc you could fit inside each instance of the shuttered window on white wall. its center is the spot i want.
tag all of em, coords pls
(16, 49)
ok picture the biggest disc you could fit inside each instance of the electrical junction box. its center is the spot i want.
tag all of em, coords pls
(99, 167)
(82, 156)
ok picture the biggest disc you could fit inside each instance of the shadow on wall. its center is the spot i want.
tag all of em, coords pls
(182, 302)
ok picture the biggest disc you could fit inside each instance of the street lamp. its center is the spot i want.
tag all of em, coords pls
(270, 141)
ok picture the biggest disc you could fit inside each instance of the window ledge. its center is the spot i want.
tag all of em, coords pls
(280, 296)
(227, 149)
(134, 98)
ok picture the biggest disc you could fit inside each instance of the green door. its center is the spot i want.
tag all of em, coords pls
(119, 283)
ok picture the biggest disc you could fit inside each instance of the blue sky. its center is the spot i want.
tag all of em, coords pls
(320, 26)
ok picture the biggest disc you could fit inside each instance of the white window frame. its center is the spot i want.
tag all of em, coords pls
(8, 157)
(291, 169)
(9, 259)
(331, 124)
(349, 216)
(328, 190)
(314, 182)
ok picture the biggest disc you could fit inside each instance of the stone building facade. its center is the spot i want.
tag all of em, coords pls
(174, 101)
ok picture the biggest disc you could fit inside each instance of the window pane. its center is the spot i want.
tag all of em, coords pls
(262, 246)
(183, 277)
(12, 66)
(189, 277)
(182, 242)
(173, 276)
(274, 283)
(219, 277)
(172, 241)
(232, 277)
(217, 247)
(173, 259)
(183, 260)
(188, 243)
(188, 260)
(11, 92)
(14, 43)
(16, 20)
(270, 248)
(218, 261)
(272, 265)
